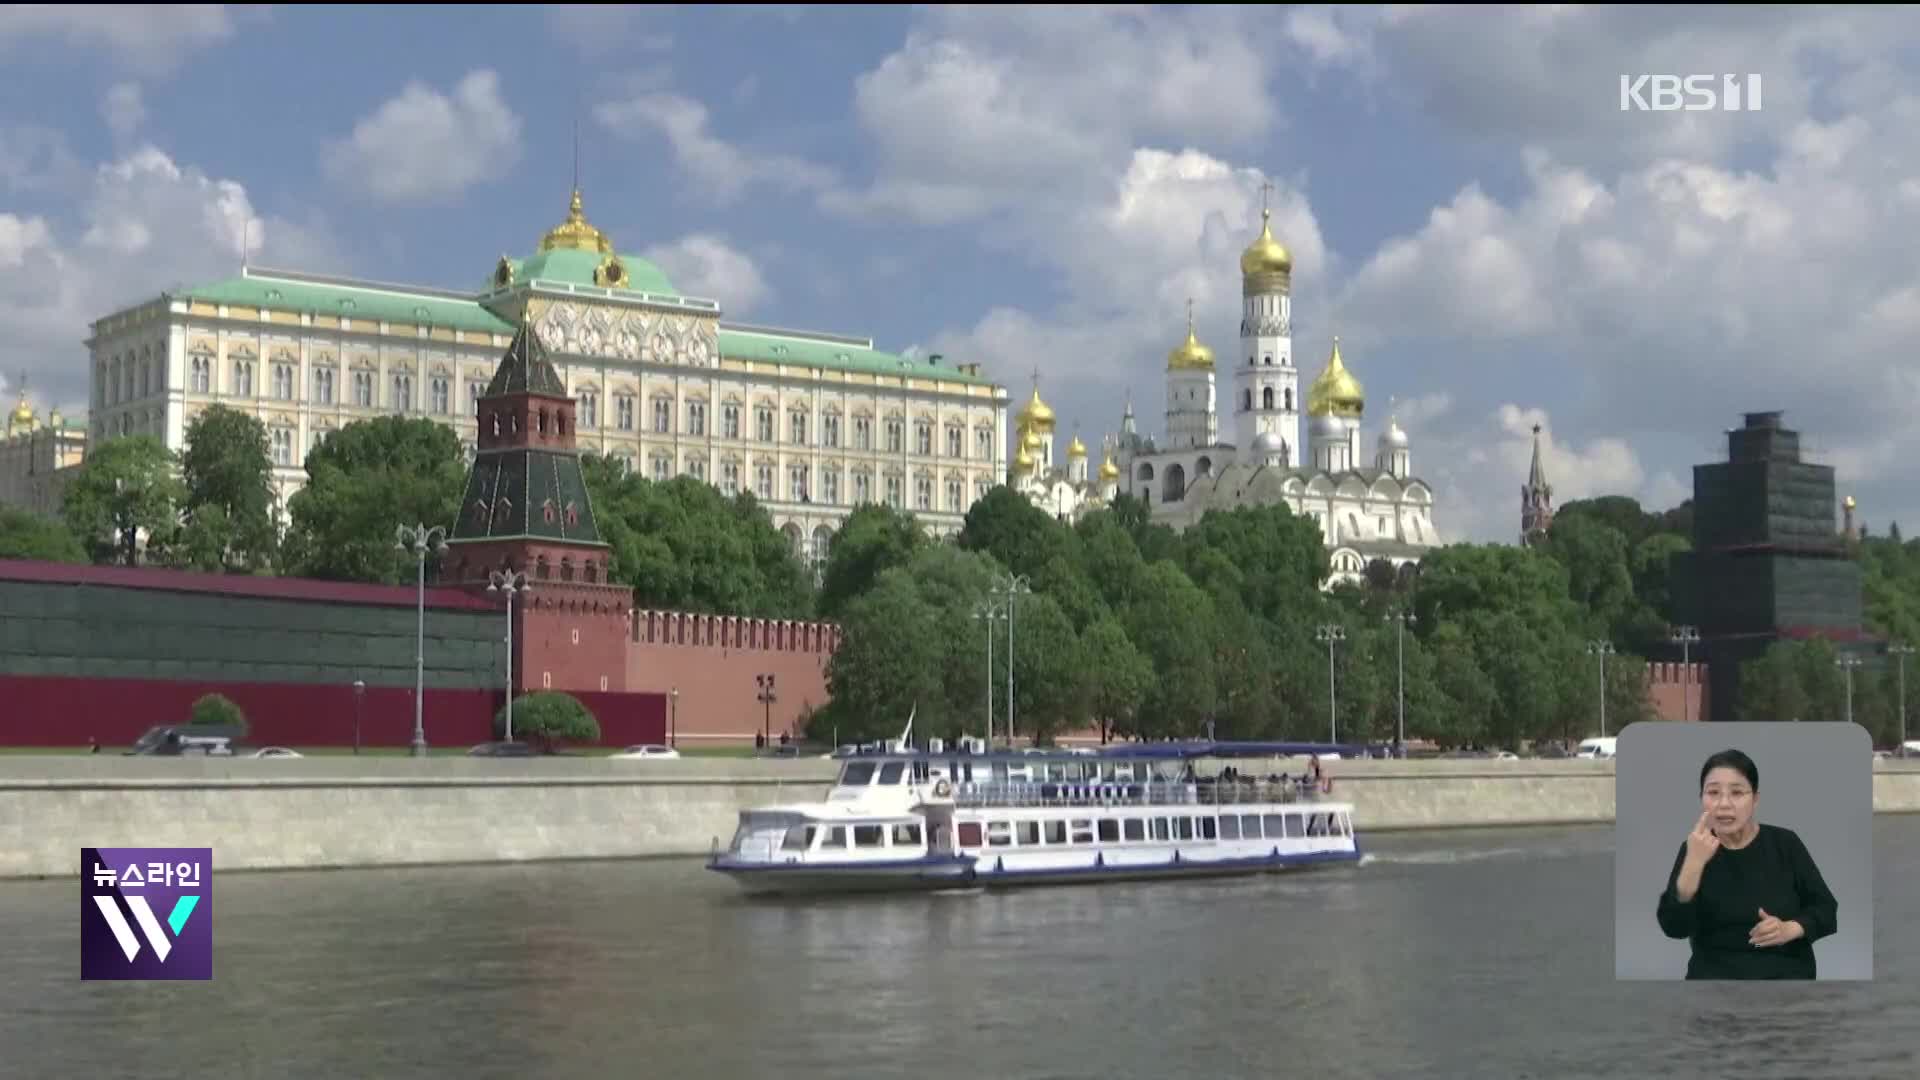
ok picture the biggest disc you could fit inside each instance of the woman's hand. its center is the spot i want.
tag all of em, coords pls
(1770, 931)
(1701, 843)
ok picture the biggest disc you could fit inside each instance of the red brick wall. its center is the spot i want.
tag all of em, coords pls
(713, 659)
(1677, 691)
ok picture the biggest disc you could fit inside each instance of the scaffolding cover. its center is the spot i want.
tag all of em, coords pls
(1769, 502)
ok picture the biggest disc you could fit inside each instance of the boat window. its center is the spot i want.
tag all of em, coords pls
(1344, 825)
(1109, 830)
(1029, 833)
(739, 836)
(868, 836)
(1160, 831)
(890, 772)
(969, 834)
(1136, 829)
(1206, 829)
(836, 837)
(1315, 825)
(921, 771)
(1275, 828)
(1295, 826)
(1250, 826)
(856, 774)
(907, 835)
(799, 838)
(999, 833)
(1230, 827)
(1183, 827)
(1056, 832)
(1083, 831)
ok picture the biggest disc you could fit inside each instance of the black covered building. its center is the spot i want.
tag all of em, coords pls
(1767, 562)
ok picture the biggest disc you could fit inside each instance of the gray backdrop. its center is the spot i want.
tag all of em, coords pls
(1816, 779)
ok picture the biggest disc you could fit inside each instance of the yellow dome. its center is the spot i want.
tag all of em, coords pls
(1108, 470)
(1033, 440)
(575, 234)
(1036, 414)
(1265, 255)
(21, 419)
(1024, 459)
(1336, 392)
(1075, 449)
(1191, 356)
(1850, 503)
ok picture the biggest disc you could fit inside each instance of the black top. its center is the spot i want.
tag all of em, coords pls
(1774, 872)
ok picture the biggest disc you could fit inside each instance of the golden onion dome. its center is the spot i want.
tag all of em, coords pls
(1076, 449)
(575, 233)
(1265, 255)
(1108, 470)
(22, 416)
(1024, 459)
(1191, 356)
(1336, 392)
(1033, 440)
(1036, 414)
(1850, 502)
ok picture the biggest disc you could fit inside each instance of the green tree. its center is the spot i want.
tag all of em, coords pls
(549, 717)
(218, 710)
(27, 535)
(1118, 675)
(363, 482)
(888, 662)
(227, 466)
(873, 539)
(1279, 555)
(683, 545)
(125, 487)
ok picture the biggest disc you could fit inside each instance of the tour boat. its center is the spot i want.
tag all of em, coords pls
(905, 819)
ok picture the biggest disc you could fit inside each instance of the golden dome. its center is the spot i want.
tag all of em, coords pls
(1024, 459)
(21, 419)
(1076, 449)
(1336, 392)
(575, 234)
(1265, 255)
(1850, 502)
(1108, 470)
(1036, 414)
(1033, 440)
(1191, 356)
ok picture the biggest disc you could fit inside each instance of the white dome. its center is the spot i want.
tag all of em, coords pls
(1328, 426)
(1393, 438)
(1269, 444)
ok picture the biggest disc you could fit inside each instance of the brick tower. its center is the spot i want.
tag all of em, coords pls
(1536, 499)
(526, 510)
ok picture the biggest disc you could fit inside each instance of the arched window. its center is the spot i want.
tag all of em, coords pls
(1289, 399)
(1266, 398)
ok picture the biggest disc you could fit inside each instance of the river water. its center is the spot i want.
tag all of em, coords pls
(1466, 954)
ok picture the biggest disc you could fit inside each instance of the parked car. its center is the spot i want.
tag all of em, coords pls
(646, 750)
(274, 752)
(186, 739)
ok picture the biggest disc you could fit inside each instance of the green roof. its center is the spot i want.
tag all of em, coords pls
(375, 302)
(525, 369)
(515, 492)
(574, 267)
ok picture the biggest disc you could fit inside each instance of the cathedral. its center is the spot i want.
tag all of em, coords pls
(1366, 510)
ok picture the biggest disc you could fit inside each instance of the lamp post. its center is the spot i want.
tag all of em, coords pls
(673, 717)
(766, 698)
(1847, 664)
(1601, 649)
(987, 612)
(1403, 618)
(1686, 637)
(420, 540)
(1902, 650)
(1332, 633)
(359, 701)
(1011, 586)
(510, 582)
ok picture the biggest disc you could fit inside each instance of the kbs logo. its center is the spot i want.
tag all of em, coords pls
(1690, 93)
(146, 913)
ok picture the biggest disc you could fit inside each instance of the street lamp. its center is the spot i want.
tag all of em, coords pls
(420, 540)
(987, 612)
(359, 701)
(1847, 664)
(1332, 633)
(1011, 586)
(1902, 651)
(510, 582)
(1602, 649)
(1403, 618)
(766, 698)
(673, 718)
(1686, 637)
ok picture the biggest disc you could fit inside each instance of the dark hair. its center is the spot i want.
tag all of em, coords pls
(1732, 759)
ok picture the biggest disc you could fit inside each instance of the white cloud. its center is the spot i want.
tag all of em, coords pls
(153, 39)
(704, 265)
(123, 110)
(598, 30)
(37, 159)
(1027, 109)
(425, 145)
(1477, 472)
(146, 223)
(720, 171)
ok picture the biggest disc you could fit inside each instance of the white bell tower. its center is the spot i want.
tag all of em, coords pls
(1267, 385)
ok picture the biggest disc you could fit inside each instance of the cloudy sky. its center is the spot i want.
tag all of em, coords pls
(1496, 243)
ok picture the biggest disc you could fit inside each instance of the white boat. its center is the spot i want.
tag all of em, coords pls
(907, 820)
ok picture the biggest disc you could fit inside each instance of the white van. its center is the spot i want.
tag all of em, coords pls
(1595, 748)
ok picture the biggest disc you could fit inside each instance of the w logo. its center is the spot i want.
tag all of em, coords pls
(143, 913)
(146, 913)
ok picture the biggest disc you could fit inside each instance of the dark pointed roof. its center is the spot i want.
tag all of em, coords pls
(525, 369)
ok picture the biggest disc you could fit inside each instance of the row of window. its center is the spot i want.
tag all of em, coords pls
(1055, 832)
(800, 489)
